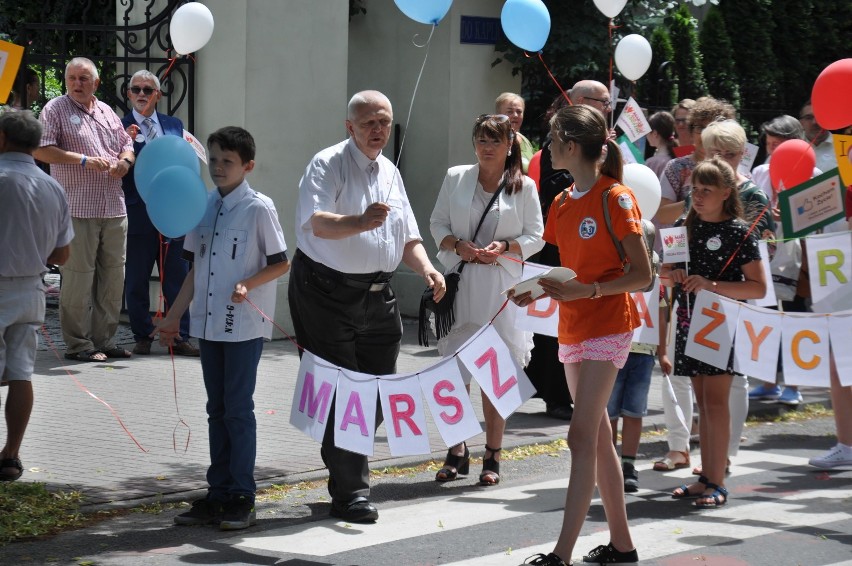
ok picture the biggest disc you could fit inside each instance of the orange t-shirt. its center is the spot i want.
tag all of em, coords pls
(578, 228)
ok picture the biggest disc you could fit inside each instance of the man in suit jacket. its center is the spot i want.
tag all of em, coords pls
(145, 245)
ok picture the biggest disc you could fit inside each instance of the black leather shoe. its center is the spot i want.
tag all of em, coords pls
(359, 510)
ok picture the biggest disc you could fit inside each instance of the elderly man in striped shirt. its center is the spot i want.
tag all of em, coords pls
(89, 152)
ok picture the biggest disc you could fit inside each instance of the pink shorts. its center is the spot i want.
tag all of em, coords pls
(614, 348)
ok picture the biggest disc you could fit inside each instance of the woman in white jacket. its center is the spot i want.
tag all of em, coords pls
(510, 230)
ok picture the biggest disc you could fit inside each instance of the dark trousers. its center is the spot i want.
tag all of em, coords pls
(230, 375)
(143, 251)
(352, 328)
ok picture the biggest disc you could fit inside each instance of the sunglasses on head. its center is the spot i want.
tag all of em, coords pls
(147, 90)
(499, 118)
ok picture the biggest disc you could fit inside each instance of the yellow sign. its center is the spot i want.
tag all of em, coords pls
(10, 60)
(842, 147)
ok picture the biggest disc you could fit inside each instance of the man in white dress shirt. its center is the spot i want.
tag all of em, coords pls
(354, 225)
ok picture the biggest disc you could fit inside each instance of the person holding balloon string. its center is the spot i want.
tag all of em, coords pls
(724, 259)
(237, 252)
(145, 245)
(596, 320)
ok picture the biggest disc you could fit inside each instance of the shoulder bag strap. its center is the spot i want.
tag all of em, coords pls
(608, 220)
(482, 218)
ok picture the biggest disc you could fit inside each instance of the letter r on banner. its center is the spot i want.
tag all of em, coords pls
(405, 416)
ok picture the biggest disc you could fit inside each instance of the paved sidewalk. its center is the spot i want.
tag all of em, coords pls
(74, 441)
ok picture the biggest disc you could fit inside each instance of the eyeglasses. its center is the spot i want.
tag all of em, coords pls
(147, 90)
(607, 103)
(499, 118)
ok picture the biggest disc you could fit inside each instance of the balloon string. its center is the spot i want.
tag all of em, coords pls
(411, 106)
(89, 393)
(562, 90)
(750, 230)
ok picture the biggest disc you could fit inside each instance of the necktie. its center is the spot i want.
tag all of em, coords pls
(152, 129)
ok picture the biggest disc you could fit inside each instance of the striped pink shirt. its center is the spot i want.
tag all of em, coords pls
(97, 132)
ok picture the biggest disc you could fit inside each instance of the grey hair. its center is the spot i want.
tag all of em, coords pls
(365, 98)
(22, 129)
(145, 75)
(784, 126)
(507, 97)
(82, 61)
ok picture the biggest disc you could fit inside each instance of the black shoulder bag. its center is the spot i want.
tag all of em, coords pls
(443, 310)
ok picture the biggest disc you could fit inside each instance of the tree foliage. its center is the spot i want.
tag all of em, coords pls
(683, 29)
(658, 87)
(717, 53)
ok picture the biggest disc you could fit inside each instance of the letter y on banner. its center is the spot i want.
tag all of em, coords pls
(711, 331)
(487, 358)
(315, 388)
(355, 412)
(405, 416)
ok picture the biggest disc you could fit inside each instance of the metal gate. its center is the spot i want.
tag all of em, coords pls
(138, 40)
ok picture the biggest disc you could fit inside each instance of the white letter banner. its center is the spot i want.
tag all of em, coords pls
(675, 244)
(449, 402)
(405, 416)
(355, 412)
(805, 343)
(488, 360)
(756, 346)
(541, 316)
(315, 386)
(840, 329)
(829, 266)
(769, 299)
(711, 331)
(648, 305)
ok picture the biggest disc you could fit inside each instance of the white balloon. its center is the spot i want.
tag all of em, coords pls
(645, 186)
(610, 8)
(633, 56)
(191, 27)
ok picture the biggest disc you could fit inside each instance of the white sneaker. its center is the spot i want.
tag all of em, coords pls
(840, 455)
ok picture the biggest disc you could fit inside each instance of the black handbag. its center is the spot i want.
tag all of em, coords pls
(443, 310)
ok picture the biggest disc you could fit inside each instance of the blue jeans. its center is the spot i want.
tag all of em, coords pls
(630, 393)
(230, 374)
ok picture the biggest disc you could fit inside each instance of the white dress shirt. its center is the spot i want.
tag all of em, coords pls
(140, 120)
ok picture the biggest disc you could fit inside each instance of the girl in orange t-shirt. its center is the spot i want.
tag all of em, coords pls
(596, 319)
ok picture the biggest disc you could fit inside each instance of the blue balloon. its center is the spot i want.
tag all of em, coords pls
(177, 199)
(424, 11)
(159, 153)
(526, 23)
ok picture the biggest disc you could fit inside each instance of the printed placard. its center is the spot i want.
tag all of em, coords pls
(629, 152)
(712, 329)
(812, 205)
(10, 62)
(632, 121)
(804, 343)
(749, 153)
(405, 416)
(648, 305)
(842, 144)
(355, 412)
(199, 148)
(757, 343)
(492, 366)
(315, 387)
(448, 401)
(675, 244)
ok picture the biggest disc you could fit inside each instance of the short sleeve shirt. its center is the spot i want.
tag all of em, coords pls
(97, 132)
(676, 180)
(34, 217)
(233, 242)
(578, 228)
(342, 180)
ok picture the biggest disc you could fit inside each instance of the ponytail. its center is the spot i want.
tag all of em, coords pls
(613, 165)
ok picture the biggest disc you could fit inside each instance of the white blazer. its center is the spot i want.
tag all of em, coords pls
(520, 217)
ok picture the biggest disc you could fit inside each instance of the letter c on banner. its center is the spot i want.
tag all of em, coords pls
(448, 401)
(797, 338)
(404, 415)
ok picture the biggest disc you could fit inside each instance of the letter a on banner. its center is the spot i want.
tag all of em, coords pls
(840, 328)
(487, 358)
(355, 412)
(805, 346)
(315, 387)
(405, 416)
(648, 305)
(756, 347)
(448, 400)
(711, 331)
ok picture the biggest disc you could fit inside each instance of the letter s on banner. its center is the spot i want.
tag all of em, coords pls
(442, 386)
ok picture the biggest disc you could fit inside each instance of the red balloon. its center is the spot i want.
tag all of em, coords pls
(792, 164)
(830, 96)
(534, 169)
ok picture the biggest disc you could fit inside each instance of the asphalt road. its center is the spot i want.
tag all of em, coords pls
(781, 512)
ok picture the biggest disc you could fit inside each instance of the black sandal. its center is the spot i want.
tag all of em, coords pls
(490, 468)
(454, 465)
(686, 494)
(14, 463)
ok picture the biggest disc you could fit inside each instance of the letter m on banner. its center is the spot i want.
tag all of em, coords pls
(315, 387)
